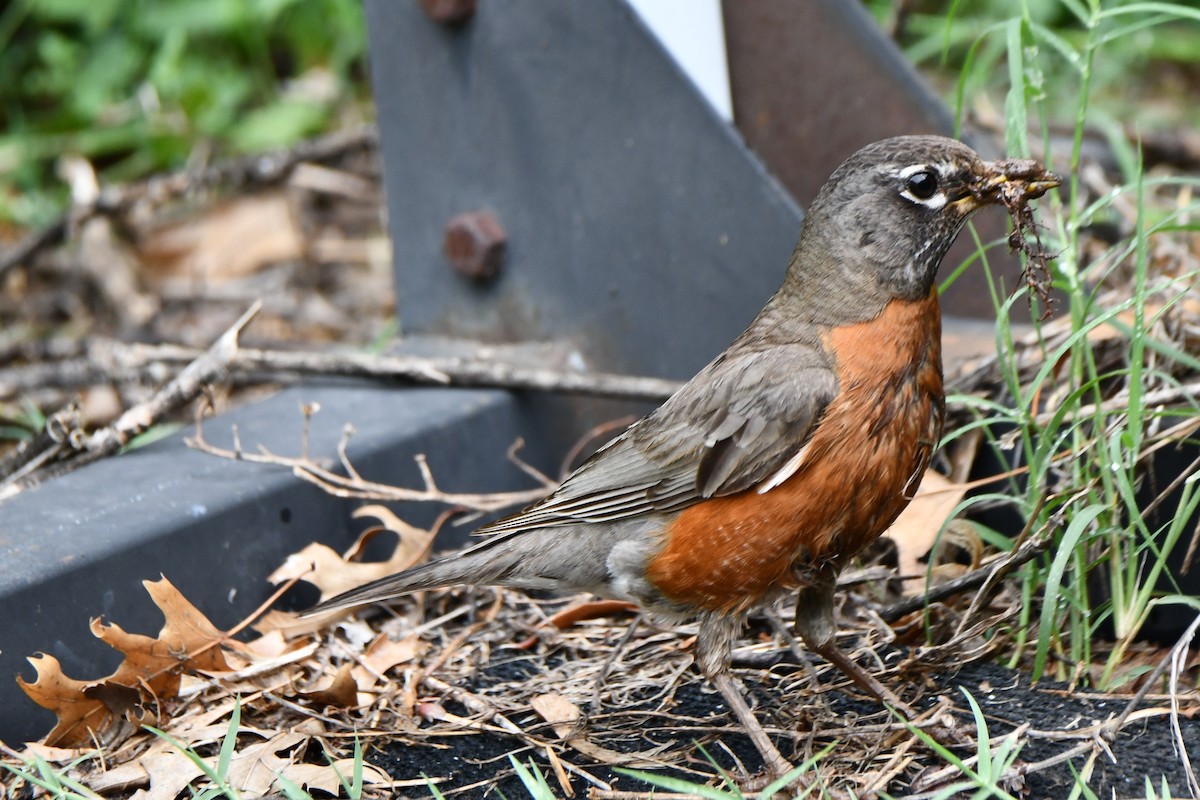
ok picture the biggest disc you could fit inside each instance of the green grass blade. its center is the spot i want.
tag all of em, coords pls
(1016, 123)
(1058, 43)
(291, 789)
(677, 784)
(1139, 9)
(534, 782)
(1054, 579)
(229, 743)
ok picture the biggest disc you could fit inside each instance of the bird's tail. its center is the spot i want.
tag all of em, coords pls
(460, 568)
(570, 559)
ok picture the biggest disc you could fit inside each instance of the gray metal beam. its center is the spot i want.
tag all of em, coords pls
(80, 546)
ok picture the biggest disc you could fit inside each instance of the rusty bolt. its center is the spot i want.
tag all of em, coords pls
(475, 244)
(449, 12)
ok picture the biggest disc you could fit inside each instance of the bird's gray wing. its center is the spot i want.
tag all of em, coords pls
(740, 421)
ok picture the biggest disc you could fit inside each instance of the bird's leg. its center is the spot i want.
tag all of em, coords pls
(714, 647)
(815, 624)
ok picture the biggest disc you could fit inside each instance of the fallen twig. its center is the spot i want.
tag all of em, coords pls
(1001, 565)
(263, 168)
(184, 388)
(60, 433)
(109, 360)
(356, 487)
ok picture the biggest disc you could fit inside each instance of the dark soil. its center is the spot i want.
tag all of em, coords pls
(699, 728)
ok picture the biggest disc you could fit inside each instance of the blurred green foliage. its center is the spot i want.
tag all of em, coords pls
(142, 85)
(1150, 71)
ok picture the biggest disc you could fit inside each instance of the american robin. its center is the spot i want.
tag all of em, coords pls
(786, 455)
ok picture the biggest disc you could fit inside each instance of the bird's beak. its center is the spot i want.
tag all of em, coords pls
(1008, 182)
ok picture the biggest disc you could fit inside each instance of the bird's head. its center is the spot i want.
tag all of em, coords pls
(885, 218)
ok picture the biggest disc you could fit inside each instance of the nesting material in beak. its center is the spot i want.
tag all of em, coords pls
(1014, 181)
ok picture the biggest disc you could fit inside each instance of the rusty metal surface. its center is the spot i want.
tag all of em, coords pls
(449, 12)
(813, 81)
(475, 244)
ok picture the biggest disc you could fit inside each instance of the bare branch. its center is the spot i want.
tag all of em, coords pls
(263, 168)
(356, 487)
(185, 387)
(112, 360)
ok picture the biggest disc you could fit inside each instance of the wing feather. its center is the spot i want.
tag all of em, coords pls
(745, 417)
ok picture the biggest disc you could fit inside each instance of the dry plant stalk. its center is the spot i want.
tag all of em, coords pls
(1027, 180)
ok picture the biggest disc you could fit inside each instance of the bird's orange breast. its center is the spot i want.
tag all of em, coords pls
(860, 469)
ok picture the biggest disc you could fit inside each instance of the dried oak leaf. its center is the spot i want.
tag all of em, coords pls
(333, 574)
(341, 691)
(382, 655)
(148, 675)
(254, 769)
(228, 242)
(566, 719)
(165, 768)
(169, 772)
(77, 713)
(386, 652)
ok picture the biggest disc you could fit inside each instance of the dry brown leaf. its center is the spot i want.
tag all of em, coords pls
(268, 674)
(194, 727)
(386, 652)
(332, 574)
(120, 778)
(341, 690)
(78, 715)
(563, 715)
(187, 631)
(269, 646)
(169, 772)
(291, 625)
(917, 527)
(145, 659)
(163, 768)
(253, 768)
(591, 609)
(57, 755)
(566, 719)
(572, 615)
(325, 777)
(148, 675)
(247, 661)
(231, 241)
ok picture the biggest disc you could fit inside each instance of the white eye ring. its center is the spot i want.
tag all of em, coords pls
(910, 174)
(936, 202)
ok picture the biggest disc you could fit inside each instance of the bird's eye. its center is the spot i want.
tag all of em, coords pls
(921, 185)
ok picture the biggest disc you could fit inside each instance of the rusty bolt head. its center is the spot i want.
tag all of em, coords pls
(449, 12)
(475, 244)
